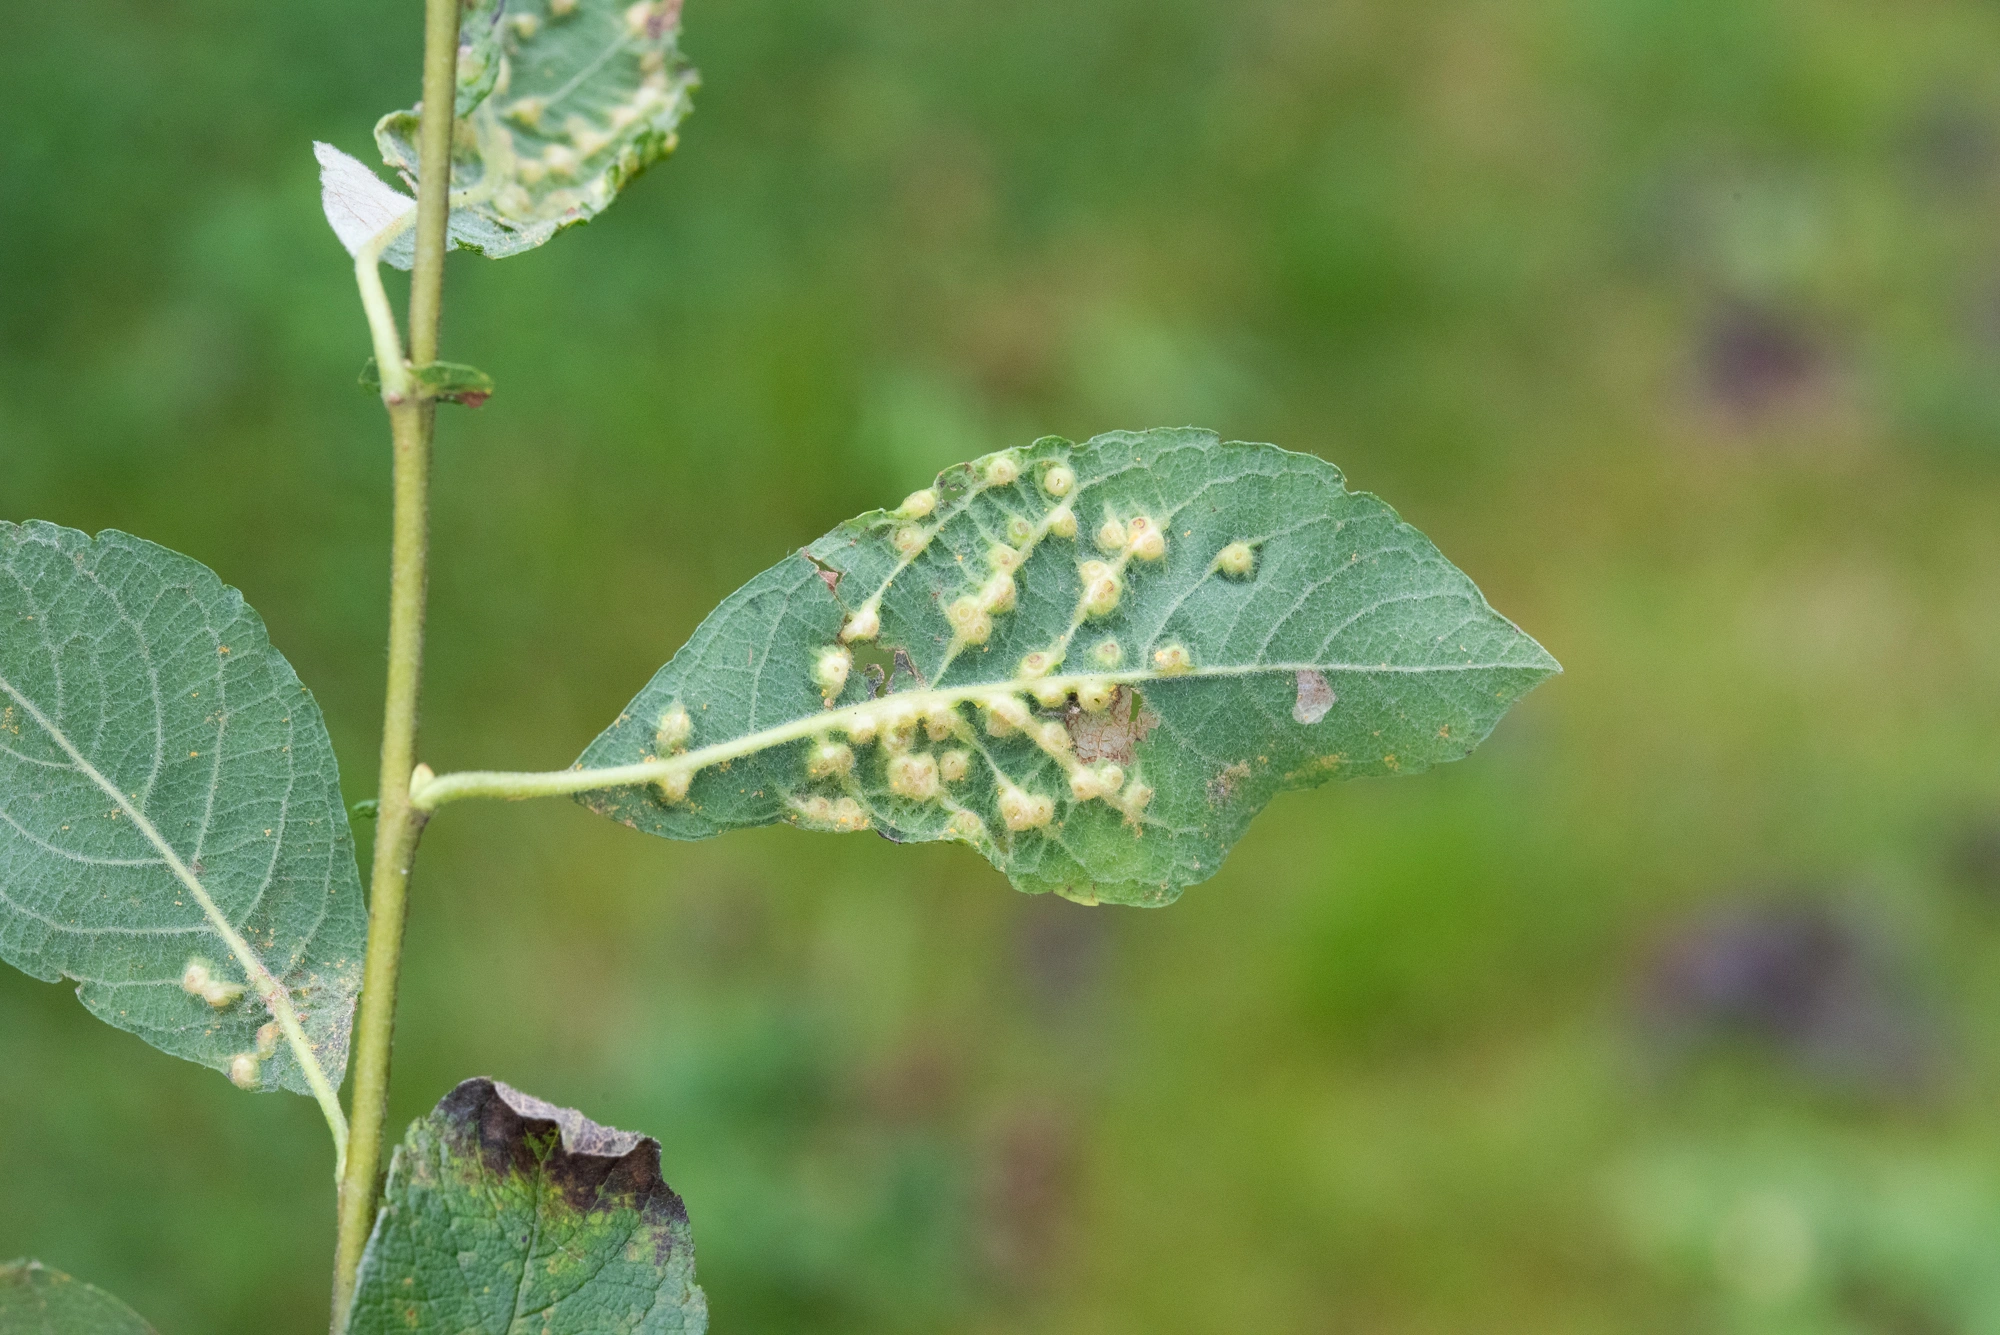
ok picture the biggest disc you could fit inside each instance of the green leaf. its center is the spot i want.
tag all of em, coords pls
(1097, 707)
(156, 752)
(560, 103)
(449, 381)
(506, 1214)
(35, 1300)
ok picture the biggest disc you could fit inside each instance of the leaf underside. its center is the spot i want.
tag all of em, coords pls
(167, 688)
(560, 104)
(503, 1213)
(36, 1300)
(1289, 632)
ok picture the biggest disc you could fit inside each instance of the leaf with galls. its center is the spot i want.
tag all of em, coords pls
(560, 104)
(157, 752)
(1100, 716)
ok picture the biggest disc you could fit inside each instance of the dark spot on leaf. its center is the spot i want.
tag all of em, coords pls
(1116, 733)
(1315, 697)
(594, 1168)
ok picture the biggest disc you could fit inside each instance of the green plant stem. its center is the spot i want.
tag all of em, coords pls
(398, 825)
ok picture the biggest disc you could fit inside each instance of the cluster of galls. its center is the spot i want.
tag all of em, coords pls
(245, 1068)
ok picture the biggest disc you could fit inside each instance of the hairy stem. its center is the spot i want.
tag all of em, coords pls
(397, 823)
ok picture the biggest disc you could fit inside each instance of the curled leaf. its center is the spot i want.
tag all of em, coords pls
(1099, 663)
(561, 103)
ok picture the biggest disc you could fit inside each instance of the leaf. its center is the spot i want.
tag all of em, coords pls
(155, 749)
(449, 381)
(360, 206)
(35, 1300)
(503, 1213)
(581, 96)
(1103, 660)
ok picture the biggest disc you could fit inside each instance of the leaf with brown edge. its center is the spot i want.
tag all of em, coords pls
(503, 1213)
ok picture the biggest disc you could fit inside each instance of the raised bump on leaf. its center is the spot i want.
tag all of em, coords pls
(1171, 725)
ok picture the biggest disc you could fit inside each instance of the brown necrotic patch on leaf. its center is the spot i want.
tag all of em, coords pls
(1114, 734)
(1315, 697)
(499, 1192)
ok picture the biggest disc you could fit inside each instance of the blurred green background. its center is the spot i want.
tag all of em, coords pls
(1676, 323)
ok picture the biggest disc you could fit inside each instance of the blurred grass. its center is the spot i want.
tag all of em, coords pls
(1675, 322)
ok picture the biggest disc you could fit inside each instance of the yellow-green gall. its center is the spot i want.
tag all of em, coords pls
(1023, 810)
(1002, 470)
(675, 729)
(1172, 660)
(200, 981)
(815, 810)
(1136, 797)
(969, 621)
(1093, 781)
(967, 825)
(940, 722)
(1003, 558)
(830, 669)
(1037, 664)
(954, 765)
(908, 539)
(525, 25)
(1095, 696)
(1148, 543)
(828, 759)
(268, 1038)
(997, 594)
(1111, 535)
(1236, 560)
(1101, 592)
(1050, 694)
(1107, 653)
(245, 1071)
(1019, 530)
(1062, 522)
(1004, 715)
(865, 624)
(861, 725)
(673, 785)
(1054, 738)
(849, 815)
(917, 505)
(914, 777)
(562, 9)
(1059, 481)
(899, 724)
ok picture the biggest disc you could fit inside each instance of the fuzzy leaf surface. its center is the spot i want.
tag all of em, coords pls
(1283, 631)
(35, 1300)
(560, 104)
(508, 1215)
(146, 721)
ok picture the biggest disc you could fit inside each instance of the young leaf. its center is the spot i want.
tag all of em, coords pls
(503, 1213)
(561, 103)
(35, 1300)
(1103, 661)
(451, 382)
(171, 830)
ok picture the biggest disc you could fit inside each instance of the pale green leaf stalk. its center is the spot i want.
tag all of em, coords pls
(507, 1214)
(172, 835)
(1101, 662)
(560, 104)
(37, 1300)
